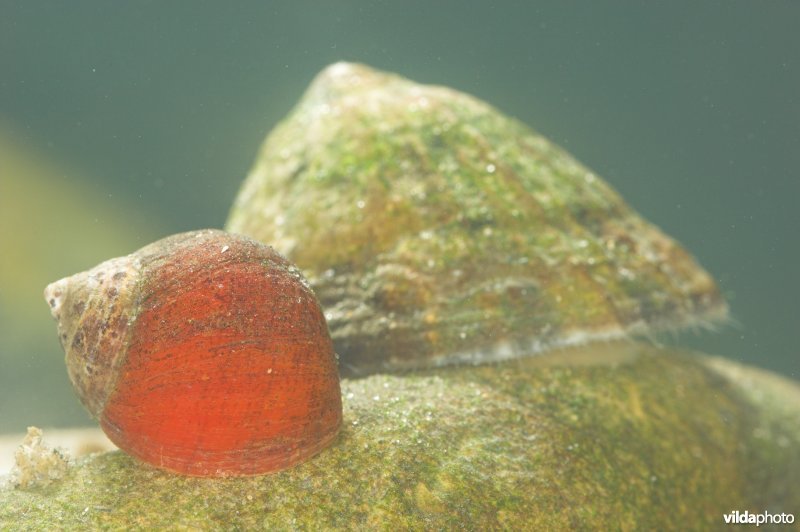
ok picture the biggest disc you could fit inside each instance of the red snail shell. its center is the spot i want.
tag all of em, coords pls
(204, 353)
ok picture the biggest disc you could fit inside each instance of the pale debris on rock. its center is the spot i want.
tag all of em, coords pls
(37, 465)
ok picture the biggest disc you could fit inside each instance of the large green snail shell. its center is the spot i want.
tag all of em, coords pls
(436, 230)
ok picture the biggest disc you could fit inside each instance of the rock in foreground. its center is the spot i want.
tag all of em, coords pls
(648, 438)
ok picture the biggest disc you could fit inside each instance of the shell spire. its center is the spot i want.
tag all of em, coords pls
(436, 230)
(93, 310)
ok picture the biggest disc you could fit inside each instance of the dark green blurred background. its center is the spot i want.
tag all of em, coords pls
(124, 122)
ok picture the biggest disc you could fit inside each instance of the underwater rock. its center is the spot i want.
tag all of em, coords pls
(608, 436)
(436, 230)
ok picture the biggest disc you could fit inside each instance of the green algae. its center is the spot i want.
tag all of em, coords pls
(649, 439)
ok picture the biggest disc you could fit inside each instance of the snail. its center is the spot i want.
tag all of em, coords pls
(204, 353)
(435, 230)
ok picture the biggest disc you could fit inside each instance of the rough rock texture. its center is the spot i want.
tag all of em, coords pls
(436, 230)
(651, 439)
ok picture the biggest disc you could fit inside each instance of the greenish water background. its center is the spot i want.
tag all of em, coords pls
(124, 122)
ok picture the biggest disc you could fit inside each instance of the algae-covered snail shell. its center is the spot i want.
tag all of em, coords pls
(436, 230)
(204, 353)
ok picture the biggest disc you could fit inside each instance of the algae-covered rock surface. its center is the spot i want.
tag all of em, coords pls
(619, 435)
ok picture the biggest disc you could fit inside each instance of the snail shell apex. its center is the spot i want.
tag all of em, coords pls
(436, 230)
(203, 353)
(93, 311)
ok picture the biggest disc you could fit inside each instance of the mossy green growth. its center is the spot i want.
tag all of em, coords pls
(436, 230)
(646, 439)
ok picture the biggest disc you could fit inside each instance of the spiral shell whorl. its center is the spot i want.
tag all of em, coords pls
(94, 310)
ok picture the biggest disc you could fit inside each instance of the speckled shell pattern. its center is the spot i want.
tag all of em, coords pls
(436, 230)
(204, 353)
